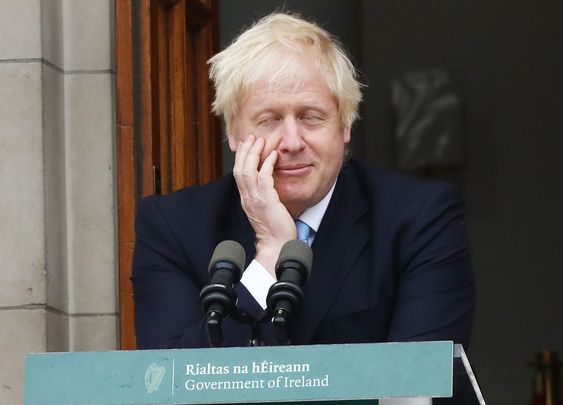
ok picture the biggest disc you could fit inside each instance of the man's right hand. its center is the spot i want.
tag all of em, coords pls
(260, 201)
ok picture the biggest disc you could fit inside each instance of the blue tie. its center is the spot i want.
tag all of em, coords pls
(303, 231)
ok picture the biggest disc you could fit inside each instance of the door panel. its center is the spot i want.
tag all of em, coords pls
(167, 137)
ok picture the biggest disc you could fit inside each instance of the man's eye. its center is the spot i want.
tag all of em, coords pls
(268, 120)
(311, 118)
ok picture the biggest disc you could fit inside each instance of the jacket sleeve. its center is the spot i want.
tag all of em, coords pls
(166, 287)
(436, 293)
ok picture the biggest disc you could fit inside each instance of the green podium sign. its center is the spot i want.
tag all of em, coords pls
(237, 375)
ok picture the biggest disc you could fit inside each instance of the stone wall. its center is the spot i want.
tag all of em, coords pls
(57, 191)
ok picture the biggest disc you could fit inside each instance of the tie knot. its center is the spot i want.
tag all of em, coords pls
(303, 231)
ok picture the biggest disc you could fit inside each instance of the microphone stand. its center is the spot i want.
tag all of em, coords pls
(283, 298)
(280, 321)
(279, 318)
(214, 329)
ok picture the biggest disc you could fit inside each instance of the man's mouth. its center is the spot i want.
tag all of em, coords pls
(293, 169)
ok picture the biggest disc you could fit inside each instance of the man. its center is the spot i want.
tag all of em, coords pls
(390, 257)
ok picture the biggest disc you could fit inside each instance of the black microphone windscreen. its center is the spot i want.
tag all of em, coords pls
(229, 251)
(299, 251)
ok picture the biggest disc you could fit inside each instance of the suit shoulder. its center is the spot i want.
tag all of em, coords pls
(387, 184)
(190, 209)
(201, 196)
(394, 197)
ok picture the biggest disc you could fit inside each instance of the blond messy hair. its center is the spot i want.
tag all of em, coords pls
(269, 50)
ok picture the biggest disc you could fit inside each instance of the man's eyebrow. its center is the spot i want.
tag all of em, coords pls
(319, 108)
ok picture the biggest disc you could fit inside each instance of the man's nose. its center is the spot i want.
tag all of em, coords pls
(291, 136)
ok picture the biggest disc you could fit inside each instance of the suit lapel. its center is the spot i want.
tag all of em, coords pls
(341, 237)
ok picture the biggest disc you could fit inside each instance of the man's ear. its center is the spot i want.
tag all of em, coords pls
(232, 141)
(346, 134)
(231, 137)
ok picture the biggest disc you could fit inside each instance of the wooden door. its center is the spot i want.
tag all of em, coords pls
(166, 136)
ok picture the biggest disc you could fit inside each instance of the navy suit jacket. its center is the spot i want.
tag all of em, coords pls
(390, 263)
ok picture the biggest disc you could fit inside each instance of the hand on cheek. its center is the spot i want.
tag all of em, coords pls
(260, 201)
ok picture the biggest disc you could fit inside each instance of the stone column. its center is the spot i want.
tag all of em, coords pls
(22, 237)
(78, 127)
(57, 189)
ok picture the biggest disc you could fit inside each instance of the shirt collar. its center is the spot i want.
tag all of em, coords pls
(313, 216)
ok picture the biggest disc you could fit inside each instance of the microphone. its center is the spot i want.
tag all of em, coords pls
(217, 299)
(285, 297)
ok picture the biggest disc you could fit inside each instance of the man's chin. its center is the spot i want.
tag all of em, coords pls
(294, 204)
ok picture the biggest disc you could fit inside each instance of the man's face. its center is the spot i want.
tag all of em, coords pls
(301, 122)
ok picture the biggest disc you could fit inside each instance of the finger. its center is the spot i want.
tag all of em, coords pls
(240, 159)
(269, 163)
(252, 160)
(250, 167)
(241, 153)
(267, 170)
